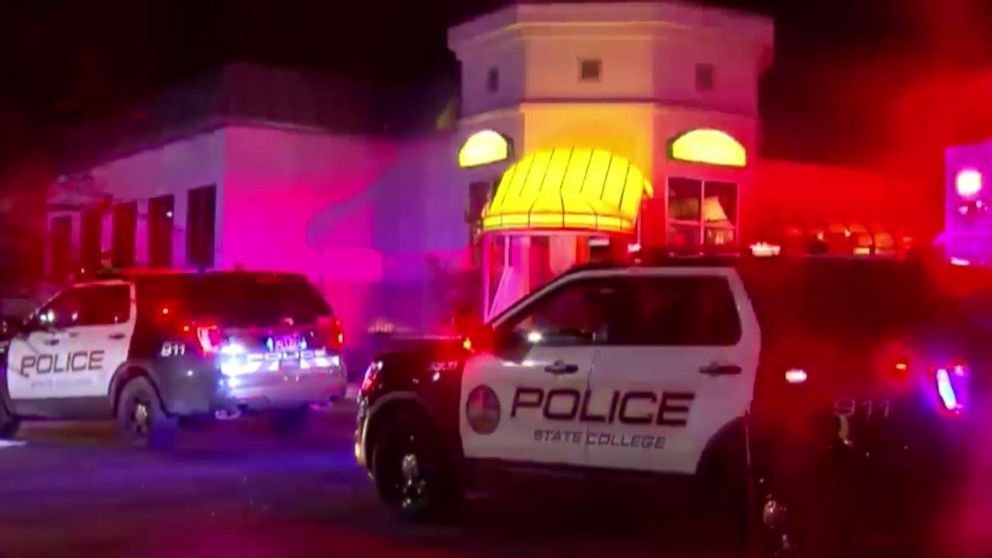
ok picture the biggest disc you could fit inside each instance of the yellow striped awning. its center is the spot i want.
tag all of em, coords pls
(568, 189)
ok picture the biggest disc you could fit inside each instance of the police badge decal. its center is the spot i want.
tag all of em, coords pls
(482, 410)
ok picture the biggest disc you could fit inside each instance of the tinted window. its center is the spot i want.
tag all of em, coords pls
(91, 305)
(574, 313)
(201, 222)
(160, 221)
(125, 222)
(671, 311)
(674, 311)
(91, 238)
(853, 300)
(235, 299)
(104, 305)
(60, 239)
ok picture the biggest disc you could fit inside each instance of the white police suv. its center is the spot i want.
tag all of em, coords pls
(829, 389)
(149, 348)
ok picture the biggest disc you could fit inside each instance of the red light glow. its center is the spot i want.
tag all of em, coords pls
(765, 250)
(796, 376)
(370, 375)
(333, 333)
(209, 338)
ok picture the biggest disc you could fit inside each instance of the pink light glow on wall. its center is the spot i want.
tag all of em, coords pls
(359, 216)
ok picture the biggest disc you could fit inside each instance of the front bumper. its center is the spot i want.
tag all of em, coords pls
(361, 434)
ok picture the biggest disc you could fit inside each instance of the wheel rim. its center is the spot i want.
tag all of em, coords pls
(413, 483)
(140, 418)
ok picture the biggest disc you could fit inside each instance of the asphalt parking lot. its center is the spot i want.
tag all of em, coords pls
(233, 489)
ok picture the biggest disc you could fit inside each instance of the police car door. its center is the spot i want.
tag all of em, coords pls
(524, 400)
(679, 365)
(74, 344)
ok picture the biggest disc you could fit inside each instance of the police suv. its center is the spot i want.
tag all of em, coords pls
(830, 391)
(150, 348)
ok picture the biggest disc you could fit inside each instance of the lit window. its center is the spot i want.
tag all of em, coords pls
(482, 148)
(590, 69)
(492, 80)
(701, 213)
(705, 77)
(707, 146)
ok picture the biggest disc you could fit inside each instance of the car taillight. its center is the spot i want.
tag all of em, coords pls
(332, 332)
(950, 383)
(370, 375)
(209, 338)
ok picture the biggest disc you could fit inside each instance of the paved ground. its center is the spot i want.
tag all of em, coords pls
(234, 490)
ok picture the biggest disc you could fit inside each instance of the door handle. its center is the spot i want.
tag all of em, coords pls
(721, 369)
(51, 342)
(561, 367)
(116, 336)
(73, 334)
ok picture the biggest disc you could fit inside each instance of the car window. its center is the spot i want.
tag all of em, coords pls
(62, 311)
(236, 299)
(88, 305)
(105, 304)
(674, 311)
(853, 301)
(572, 314)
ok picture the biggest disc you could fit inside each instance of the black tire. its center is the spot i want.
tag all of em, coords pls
(290, 422)
(723, 498)
(9, 424)
(412, 473)
(141, 418)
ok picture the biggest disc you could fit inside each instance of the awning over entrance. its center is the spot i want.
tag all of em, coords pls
(568, 189)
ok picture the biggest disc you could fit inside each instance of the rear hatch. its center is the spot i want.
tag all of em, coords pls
(263, 317)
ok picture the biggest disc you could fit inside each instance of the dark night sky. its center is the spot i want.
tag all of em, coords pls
(837, 61)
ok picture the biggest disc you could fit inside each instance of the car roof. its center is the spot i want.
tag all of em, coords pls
(750, 262)
(147, 275)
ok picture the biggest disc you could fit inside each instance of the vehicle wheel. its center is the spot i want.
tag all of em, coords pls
(9, 424)
(290, 422)
(724, 500)
(141, 418)
(411, 473)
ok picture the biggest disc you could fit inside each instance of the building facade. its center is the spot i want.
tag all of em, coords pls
(586, 131)
(371, 218)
